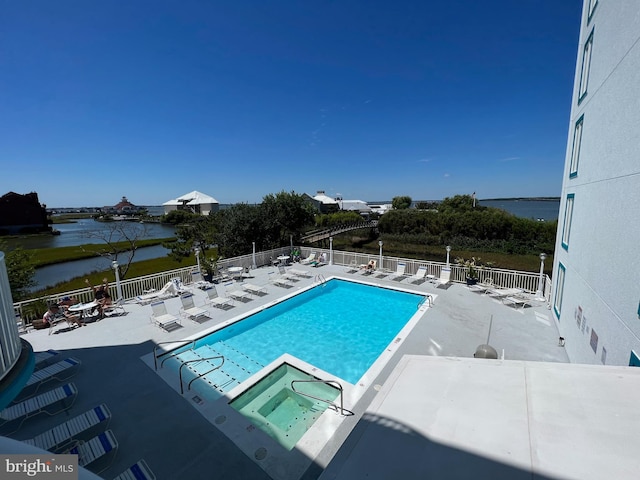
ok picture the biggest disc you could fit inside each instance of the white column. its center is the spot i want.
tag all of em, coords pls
(540, 292)
(114, 264)
(380, 259)
(197, 250)
(253, 256)
(448, 250)
(330, 250)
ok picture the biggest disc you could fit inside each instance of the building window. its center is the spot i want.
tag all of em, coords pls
(586, 65)
(557, 300)
(594, 341)
(591, 9)
(575, 151)
(566, 225)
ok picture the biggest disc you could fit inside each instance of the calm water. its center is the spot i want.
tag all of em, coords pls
(332, 327)
(536, 209)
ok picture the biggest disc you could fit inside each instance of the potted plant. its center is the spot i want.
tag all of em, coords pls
(471, 267)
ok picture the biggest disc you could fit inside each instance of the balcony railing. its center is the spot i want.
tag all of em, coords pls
(133, 287)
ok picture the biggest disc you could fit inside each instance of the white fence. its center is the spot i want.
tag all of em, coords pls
(131, 288)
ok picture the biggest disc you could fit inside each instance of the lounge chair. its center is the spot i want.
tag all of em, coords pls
(117, 306)
(168, 291)
(399, 273)
(288, 276)
(445, 277)
(255, 289)
(102, 447)
(138, 471)
(503, 292)
(301, 273)
(238, 295)
(57, 372)
(191, 311)
(369, 268)
(199, 281)
(516, 301)
(353, 267)
(322, 261)
(309, 259)
(81, 427)
(180, 287)
(46, 358)
(217, 301)
(162, 318)
(381, 273)
(419, 276)
(280, 281)
(51, 402)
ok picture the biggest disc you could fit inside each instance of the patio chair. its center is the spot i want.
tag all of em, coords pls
(381, 273)
(255, 289)
(503, 292)
(239, 295)
(199, 281)
(97, 452)
(117, 306)
(51, 402)
(309, 259)
(168, 291)
(80, 427)
(180, 287)
(301, 273)
(217, 301)
(288, 276)
(57, 372)
(162, 318)
(516, 301)
(45, 358)
(280, 281)
(419, 277)
(398, 275)
(353, 267)
(191, 311)
(369, 268)
(445, 277)
(138, 471)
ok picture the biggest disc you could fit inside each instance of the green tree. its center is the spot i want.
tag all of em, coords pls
(285, 214)
(20, 270)
(200, 233)
(177, 217)
(238, 227)
(401, 203)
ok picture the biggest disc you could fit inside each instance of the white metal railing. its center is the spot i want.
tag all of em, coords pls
(131, 288)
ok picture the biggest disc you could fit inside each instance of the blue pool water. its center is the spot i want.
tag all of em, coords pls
(341, 327)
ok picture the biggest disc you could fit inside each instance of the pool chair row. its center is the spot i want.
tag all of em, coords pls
(50, 375)
(514, 297)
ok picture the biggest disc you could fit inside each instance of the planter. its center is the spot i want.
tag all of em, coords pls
(471, 281)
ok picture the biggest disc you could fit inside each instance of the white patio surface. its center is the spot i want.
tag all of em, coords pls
(152, 421)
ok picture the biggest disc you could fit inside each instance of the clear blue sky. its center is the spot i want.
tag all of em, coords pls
(239, 99)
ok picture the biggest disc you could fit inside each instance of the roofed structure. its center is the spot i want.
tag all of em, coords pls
(195, 202)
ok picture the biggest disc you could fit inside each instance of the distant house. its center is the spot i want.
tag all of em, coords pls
(322, 202)
(359, 206)
(194, 202)
(123, 207)
(22, 214)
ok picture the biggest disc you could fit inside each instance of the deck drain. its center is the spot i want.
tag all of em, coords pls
(260, 454)
(221, 419)
(377, 387)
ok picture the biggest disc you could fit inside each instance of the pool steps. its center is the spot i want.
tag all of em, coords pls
(237, 366)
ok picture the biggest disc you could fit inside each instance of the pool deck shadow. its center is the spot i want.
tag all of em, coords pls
(153, 421)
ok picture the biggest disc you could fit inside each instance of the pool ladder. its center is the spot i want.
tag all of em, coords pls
(427, 299)
(320, 279)
(156, 356)
(331, 383)
(200, 375)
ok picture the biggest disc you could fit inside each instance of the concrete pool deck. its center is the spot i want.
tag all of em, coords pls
(152, 421)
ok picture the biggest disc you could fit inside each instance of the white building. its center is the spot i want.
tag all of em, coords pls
(194, 202)
(596, 293)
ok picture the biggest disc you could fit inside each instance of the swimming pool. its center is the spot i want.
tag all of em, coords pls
(340, 327)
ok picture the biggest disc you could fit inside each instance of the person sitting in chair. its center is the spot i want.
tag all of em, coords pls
(369, 266)
(54, 314)
(101, 295)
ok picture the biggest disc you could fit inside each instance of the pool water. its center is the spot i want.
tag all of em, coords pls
(282, 413)
(340, 327)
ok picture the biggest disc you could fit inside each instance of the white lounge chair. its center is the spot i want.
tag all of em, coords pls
(353, 267)
(117, 306)
(162, 318)
(399, 273)
(217, 301)
(81, 427)
(255, 289)
(57, 372)
(51, 402)
(138, 471)
(46, 358)
(309, 259)
(288, 276)
(419, 276)
(516, 301)
(369, 268)
(503, 292)
(280, 282)
(191, 311)
(301, 273)
(381, 273)
(168, 291)
(102, 447)
(238, 295)
(445, 277)
(199, 281)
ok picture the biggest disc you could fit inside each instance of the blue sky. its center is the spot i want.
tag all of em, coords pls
(239, 99)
